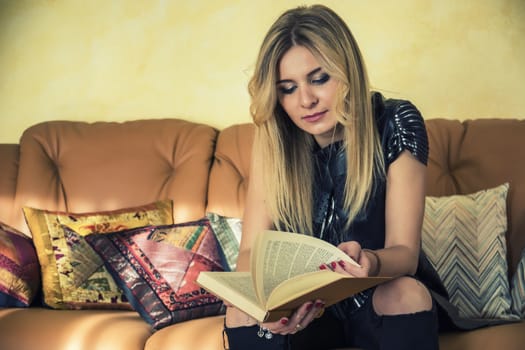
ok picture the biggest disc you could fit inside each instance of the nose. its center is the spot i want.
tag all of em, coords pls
(308, 97)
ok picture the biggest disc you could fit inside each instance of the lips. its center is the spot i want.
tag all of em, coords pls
(312, 118)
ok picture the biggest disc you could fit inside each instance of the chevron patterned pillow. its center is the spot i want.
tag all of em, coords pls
(464, 238)
(517, 288)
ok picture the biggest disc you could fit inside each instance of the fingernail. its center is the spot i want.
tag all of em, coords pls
(309, 306)
(284, 321)
(334, 264)
(319, 304)
(322, 267)
(341, 263)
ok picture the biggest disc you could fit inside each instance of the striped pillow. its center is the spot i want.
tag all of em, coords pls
(464, 238)
(517, 288)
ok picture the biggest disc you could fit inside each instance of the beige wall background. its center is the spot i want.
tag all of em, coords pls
(116, 60)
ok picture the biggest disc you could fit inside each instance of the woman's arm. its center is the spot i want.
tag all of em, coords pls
(256, 217)
(404, 211)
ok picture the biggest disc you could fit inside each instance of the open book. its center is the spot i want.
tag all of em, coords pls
(284, 275)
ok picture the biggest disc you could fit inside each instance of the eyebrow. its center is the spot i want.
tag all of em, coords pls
(316, 70)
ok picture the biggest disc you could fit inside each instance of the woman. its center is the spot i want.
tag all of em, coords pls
(335, 161)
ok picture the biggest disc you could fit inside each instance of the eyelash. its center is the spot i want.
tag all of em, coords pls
(322, 79)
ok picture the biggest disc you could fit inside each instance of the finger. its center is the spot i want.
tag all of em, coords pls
(297, 321)
(365, 263)
(276, 327)
(357, 271)
(352, 249)
(302, 318)
(361, 270)
(342, 266)
(339, 266)
(320, 313)
(294, 321)
(315, 312)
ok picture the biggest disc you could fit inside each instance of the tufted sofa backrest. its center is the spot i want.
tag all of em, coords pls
(87, 167)
(80, 167)
(230, 171)
(472, 155)
(465, 157)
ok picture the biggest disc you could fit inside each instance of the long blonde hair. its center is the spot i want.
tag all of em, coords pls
(284, 149)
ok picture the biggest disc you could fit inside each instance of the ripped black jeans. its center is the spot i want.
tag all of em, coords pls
(362, 329)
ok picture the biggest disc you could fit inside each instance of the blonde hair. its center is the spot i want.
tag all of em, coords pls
(284, 149)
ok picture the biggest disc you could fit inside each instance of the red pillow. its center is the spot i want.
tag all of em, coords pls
(156, 267)
(19, 268)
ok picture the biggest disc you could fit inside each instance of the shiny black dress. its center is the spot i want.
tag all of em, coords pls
(400, 127)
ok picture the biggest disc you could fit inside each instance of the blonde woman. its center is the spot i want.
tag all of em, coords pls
(335, 161)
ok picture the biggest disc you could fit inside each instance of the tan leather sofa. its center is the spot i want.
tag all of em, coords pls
(81, 167)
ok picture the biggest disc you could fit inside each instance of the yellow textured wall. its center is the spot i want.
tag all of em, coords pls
(128, 59)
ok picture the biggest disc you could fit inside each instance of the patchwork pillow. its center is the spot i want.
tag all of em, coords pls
(464, 239)
(228, 232)
(157, 266)
(517, 288)
(19, 269)
(73, 275)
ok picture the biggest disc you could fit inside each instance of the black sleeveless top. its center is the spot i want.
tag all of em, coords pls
(401, 127)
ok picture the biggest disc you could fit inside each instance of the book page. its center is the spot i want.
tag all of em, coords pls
(329, 286)
(235, 288)
(280, 256)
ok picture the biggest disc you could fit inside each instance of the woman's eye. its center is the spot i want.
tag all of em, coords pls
(287, 90)
(321, 80)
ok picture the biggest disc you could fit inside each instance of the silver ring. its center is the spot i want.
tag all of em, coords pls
(298, 327)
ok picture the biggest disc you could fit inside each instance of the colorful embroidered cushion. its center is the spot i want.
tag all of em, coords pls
(228, 232)
(464, 239)
(157, 266)
(19, 269)
(517, 288)
(73, 275)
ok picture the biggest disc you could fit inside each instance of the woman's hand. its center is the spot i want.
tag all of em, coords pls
(286, 325)
(299, 319)
(354, 251)
(305, 314)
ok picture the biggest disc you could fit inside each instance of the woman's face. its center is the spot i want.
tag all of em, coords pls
(308, 95)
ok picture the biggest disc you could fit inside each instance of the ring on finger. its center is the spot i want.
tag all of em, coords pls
(298, 327)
